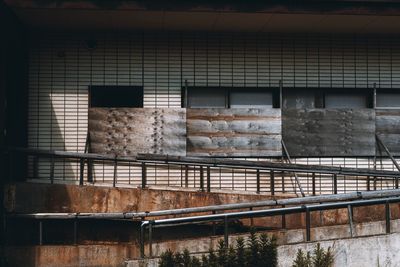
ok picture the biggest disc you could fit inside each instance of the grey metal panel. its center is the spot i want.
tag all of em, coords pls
(250, 99)
(388, 129)
(388, 100)
(234, 132)
(348, 100)
(329, 132)
(129, 131)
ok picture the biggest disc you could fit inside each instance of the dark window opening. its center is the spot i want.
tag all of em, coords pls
(230, 97)
(327, 98)
(116, 96)
(388, 98)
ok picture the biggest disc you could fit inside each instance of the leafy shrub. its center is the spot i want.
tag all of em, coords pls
(258, 251)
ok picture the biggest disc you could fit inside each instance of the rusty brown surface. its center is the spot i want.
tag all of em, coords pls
(93, 255)
(30, 197)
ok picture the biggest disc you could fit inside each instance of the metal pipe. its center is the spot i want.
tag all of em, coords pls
(350, 215)
(271, 212)
(390, 156)
(144, 175)
(387, 217)
(208, 180)
(263, 165)
(142, 229)
(308, 225)
(226, 232)
(295, 174)
(151, 238)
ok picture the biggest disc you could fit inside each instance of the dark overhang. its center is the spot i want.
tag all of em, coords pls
(364, 16)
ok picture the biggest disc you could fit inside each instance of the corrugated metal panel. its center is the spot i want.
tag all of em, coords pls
(234, 132)
(61, 69)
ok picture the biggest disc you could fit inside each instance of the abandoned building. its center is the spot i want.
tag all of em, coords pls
(133, 127)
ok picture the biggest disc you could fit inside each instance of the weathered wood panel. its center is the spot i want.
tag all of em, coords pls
(329, 132)
(128, 131)
(388, 129)
(234, 132)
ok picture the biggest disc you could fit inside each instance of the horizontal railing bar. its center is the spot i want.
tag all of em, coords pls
(68, 154)
(214, 162)
(268, 212)
(265, 165)
(277, 202)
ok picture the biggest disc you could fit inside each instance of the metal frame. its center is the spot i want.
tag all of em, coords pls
(226, 217)
(144, 161)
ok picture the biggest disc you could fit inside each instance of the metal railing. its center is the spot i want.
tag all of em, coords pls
(206, 174)
(227, 217)
(276, 207)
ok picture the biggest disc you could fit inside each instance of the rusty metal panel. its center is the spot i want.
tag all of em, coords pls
(234, 132)
(388, 129)
(129, 131)
(329, 132)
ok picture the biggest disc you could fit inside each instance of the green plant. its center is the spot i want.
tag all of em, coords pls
(240, 252)
(268, 251)
(257, 251)
(253, 257)
(302, 259)
(166, 259)
(319, 258)
(322, 257)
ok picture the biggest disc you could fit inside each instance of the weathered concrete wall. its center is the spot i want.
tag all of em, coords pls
(63, 256)
(30, 197)
(347, 251)
(364, 250)
(356, 252)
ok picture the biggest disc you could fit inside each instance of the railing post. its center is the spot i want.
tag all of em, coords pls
(186, 176)
(226, 232)
(52, 170)
(387, 217)
(251, 219)
(151, 238)
(81, 170)
(308, 225)
(40, 232)
(314, 191)
(89, 170)
(201, 179)
(258, 181)
(142, 229)
(272, 175)
(75, 231)
(335, 184)
(115, 172)
(208, 179)
(368, 183)
(144, 175)
(283, 219)
(350, 215)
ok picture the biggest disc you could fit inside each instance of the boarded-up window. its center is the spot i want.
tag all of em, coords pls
(116, 96)
(244, 99)
(388, 100)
